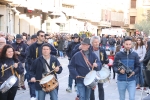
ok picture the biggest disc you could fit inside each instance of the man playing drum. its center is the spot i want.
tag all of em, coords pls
(42, 67)
(102, 56)
(80, 66)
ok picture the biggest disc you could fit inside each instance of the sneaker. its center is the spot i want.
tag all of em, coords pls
(69, 90)
(77, 98)
(18, 88)
(23, 87)
(33, 98)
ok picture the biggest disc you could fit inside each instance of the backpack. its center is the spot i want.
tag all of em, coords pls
(111, 42)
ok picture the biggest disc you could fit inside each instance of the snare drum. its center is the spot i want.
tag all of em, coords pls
(91, 79)
(8, 84)
(49, 83)
(103, 75)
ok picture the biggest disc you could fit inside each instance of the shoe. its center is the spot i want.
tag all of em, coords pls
(33, 98)
(69, 90)
(18, 88)
(23, 87)
(77, 98)
(138, 88)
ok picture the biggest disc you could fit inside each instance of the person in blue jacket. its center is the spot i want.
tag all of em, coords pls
(7, 59)
(125, 80)
(78, 67)
(20, 48)
(102, 56)
(42, 66)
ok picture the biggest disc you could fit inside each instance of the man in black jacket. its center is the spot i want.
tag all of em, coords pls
(41, 67)
(20, 48)
(68, 52)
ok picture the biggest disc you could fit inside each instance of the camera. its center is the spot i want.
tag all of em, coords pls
(127, 70)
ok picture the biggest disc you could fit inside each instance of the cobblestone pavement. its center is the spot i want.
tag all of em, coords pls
(111, 92)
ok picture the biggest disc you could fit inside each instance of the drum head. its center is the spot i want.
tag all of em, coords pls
(8, 84)
(89, 77)
(46, 79)
(103, 73)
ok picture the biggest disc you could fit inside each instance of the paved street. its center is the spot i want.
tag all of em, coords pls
(111, 92)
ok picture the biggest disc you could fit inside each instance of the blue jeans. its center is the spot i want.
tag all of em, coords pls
(112, 48)
(84, 92)
(104, 47)
(139, 76)
(126, 85)
(53, 95)
(61, 54)
(32, 89)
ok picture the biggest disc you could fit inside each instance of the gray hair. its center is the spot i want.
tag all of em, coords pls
(93, 38)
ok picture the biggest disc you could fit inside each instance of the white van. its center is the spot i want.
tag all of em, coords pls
(118, 32)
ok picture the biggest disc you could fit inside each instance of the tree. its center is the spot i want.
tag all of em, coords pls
(143, 26)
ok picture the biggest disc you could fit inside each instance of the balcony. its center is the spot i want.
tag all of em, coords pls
(131, 26)
(104, 24)
(133, 12)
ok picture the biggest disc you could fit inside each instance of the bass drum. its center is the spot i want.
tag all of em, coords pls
(104, 74)
(8, 84)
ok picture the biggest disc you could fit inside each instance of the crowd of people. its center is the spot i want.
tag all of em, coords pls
(33, 57)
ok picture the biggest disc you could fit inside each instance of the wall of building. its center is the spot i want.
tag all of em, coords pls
(3, 18)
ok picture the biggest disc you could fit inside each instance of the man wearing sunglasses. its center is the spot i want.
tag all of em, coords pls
(35, 50)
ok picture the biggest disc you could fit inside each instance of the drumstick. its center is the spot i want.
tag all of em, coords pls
(94, 62)
(36, 80)
(6, 69)
(52, 71)
(81, 77)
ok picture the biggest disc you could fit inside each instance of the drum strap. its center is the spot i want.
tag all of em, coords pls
(48, 65)
(86, 60)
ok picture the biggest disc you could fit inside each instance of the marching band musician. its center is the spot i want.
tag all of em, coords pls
(102, 56)
(79, 67)
(9, 65)
(43, 65)
(35, 51)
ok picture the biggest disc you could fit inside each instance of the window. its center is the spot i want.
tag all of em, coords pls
(133, 3)
(132, 19)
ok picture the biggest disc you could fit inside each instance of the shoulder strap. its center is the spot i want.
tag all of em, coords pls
(47, 64)
(86, 60)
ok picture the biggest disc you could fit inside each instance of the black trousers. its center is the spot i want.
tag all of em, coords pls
(100, 92)
(9, 95)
